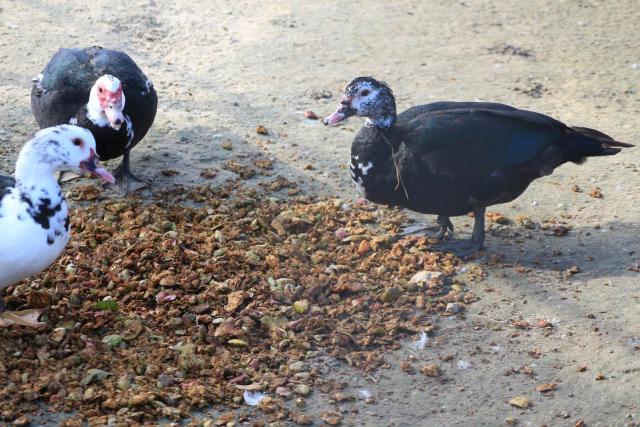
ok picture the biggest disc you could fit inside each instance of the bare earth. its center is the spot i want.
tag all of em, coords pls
(223, 67)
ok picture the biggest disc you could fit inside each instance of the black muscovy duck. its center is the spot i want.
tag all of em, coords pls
(452, 158)
(34, 220)
(102, 90)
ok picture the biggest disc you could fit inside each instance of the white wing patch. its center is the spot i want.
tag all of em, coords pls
(358, 171)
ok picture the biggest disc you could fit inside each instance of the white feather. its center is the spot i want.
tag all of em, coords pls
(253, 398)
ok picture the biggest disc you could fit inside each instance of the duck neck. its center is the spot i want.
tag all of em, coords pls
(383, 123)
(36, 180)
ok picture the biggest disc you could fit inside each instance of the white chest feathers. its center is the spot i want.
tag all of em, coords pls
(359, 171)
(34, 232)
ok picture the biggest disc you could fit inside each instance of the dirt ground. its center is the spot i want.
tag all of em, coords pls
(223, 67)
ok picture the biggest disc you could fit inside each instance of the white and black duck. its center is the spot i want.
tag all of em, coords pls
(452, 158)
(102, 90)
(34, 221)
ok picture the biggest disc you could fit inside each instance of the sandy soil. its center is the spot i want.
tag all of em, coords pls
(223, 67)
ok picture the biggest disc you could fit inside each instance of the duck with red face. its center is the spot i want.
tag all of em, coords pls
(101, 90)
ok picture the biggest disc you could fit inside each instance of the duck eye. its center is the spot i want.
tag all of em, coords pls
(77, 142)
(365, 92)
(100, 90)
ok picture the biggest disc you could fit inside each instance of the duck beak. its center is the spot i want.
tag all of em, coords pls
(115, 116)
(91, 165)
(343, 112)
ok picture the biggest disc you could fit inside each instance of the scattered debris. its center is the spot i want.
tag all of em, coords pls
(226, 288)
(509, 49)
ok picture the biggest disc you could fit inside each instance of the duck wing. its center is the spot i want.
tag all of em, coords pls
(480, 138)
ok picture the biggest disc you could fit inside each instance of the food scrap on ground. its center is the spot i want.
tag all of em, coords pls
(160, 308)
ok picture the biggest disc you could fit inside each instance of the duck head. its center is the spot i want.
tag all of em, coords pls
(106, 102)
(60, 148)
(369, 98)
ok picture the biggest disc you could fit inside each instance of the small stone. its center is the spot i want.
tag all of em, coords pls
(110, 403)
(301, 419)
(23, 421)
(112, 340)
(235, 300)
(164, 380)
(302, 389)
(89, 394)
(546, 387)
(94, 375)
(430, 370)
(333, 418)
(301, 306)
(391, 294)
(235, 342)
(124, 382)
(283, 392)
(58, 335)
(168, 282)
(140, 399)
(407, 367)
(454, 307)
(425, 276)
(520, 402)
(310, 115)
(226, 144)
(124, 274)
(298, 366)
(262, 130)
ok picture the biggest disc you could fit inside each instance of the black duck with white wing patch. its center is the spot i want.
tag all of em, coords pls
(452, 158)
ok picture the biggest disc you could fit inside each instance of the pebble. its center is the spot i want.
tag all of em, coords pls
(298, 366)
(391, 294)
(301, 306)
(454, 307)
(302, 389)
(425, 276)
(23, 421)
(164, 380)
(112, 340)
(58, 334)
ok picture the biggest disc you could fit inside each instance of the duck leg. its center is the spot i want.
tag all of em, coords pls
(124, 177)
(466, 247)
(443, 230)
(446, 227)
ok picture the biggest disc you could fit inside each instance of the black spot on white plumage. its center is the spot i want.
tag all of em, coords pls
(451, 158)
(34, 219)
(66, 92)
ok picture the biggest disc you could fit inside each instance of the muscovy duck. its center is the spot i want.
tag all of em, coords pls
(102, 90)
(34, 221)
(452, 158)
